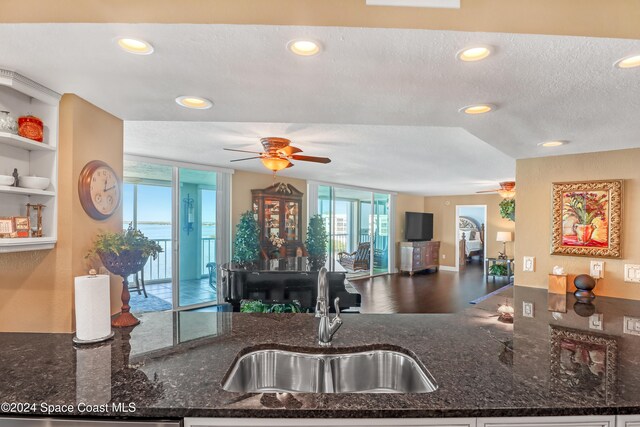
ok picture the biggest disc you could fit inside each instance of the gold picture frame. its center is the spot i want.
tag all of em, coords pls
(587, 218)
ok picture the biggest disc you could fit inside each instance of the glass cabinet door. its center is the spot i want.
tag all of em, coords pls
(271, 218)
(291, 218)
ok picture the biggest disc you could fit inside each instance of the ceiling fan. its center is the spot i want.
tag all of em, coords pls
(278, 153)
(507, 190)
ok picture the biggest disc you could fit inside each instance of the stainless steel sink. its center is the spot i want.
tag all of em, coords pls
(372, 371)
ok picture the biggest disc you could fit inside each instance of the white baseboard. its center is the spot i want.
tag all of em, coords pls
(447, 268)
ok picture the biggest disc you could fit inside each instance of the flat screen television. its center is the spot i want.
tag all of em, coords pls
(418, 226)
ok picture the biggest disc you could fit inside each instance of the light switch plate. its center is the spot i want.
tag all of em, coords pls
(631, 325)
(597, 269)
(632, 273)
(596, 322)
(529, 263)
(527, 309)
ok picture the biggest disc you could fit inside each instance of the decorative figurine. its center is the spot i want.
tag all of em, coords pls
(585, 284)
(15, 177)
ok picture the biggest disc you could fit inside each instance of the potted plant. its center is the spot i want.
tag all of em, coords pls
(246, 245)
(316, 242)
(585, 208)
(498, 270)
(124, 253)
(508, 209)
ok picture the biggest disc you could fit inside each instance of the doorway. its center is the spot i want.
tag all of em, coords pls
(471, 233)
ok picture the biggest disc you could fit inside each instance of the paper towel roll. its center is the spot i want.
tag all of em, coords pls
(93, 317)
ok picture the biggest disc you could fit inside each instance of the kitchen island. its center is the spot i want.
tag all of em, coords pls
(172, 365)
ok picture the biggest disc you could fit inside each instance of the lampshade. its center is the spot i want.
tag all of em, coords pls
(504, 236)
(275, 163)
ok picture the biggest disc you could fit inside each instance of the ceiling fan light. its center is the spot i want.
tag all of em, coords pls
(507, 194)
(275, 164)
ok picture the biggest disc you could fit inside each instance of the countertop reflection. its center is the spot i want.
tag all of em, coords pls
(172, 364)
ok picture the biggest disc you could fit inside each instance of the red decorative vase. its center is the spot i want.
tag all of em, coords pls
(584, 232)
(31, 127)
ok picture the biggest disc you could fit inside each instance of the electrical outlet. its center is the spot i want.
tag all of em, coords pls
(529, 264)
(596, 322)
(631, 325)
(597, 269)
(632, 273)
(527, 309)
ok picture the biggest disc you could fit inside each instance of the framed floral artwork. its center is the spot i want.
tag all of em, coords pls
(587, 218)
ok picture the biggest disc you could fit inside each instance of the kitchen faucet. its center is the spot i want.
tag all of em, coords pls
(327, 326)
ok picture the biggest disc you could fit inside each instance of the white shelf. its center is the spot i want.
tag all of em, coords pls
(26, 191)
(24, 143)
(19, 244)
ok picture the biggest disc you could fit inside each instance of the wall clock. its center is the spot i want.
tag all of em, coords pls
(99, 190)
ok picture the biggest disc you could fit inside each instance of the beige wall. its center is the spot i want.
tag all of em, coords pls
(243, 182)
(596, 18)
(533, 226)
(36, 290)
(444, 223)
(405, 203)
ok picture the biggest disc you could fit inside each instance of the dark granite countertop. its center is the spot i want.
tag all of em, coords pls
(172, 364)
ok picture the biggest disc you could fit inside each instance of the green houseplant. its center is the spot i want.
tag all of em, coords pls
(256, 306)
(498, 270)
(246, 245)
(124, 253)
(316, 242)
(508, 209)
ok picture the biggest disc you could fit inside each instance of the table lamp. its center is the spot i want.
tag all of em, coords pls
(504, 237)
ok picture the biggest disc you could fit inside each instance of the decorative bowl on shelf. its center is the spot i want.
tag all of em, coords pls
(33, 182)
(31, 127)
(6, 180)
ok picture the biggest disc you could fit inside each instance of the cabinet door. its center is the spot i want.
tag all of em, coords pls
(271, 214)
(628, 421)
(417, 257)
(318, 422)
(291, 221)
(578, 421)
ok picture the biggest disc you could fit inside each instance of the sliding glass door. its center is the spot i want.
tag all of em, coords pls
(197, 236)
(178, 208)
(357, 222)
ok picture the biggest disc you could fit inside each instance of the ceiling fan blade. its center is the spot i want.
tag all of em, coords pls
(311, 159)
(290, 165)
(242, 151)
(488, 191)
(289, 150)
(246, 158)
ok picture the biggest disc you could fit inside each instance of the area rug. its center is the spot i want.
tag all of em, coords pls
(140, 304)
(497, 291)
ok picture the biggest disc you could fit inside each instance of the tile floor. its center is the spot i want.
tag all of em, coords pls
(191, 292)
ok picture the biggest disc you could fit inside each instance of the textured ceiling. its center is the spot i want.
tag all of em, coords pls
(545, 87)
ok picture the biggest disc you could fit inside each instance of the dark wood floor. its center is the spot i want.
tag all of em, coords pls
(441, 292)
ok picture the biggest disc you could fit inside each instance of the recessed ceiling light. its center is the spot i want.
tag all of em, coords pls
(304, 47)
(629, 62)
(194, 102)
(474, 53)
(136, 46)
(477, 109)
(552, 143)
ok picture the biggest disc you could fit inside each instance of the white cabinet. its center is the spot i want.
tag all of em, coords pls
(21, 96)
(581, 421)
(329, 422)
(628, 421)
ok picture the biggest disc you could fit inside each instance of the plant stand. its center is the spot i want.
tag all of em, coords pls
(124, 265)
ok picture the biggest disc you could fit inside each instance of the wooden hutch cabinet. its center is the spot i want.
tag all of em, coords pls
(278, 210)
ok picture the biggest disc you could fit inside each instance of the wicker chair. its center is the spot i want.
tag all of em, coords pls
(358, 260)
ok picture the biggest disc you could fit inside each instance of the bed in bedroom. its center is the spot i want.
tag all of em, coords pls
(471, 239)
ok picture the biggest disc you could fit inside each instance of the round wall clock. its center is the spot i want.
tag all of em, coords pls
(99, 190)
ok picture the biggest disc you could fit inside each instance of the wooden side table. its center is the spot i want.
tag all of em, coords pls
(492, 261)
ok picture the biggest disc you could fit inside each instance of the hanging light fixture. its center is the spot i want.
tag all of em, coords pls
(275, 164)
